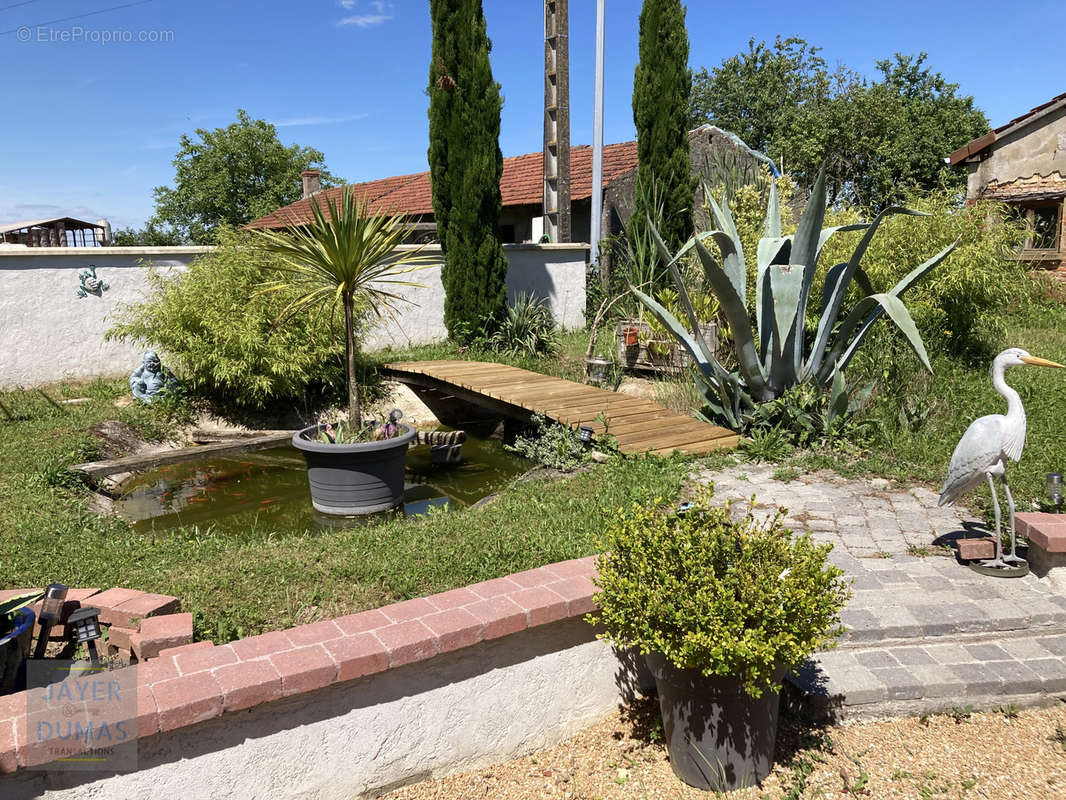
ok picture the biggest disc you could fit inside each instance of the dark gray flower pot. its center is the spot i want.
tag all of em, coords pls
(351, 479)
(14, 650)
(719, 738)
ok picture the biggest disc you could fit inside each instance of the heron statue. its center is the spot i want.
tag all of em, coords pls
(983, 450)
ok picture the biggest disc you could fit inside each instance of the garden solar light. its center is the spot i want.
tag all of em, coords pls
(1054, 489)
(85, 622)
(586, 434)
(51, 609)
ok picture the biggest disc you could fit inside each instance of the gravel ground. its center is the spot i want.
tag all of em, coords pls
(992, 756)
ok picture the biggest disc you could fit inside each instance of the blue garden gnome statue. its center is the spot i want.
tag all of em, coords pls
(151, 378)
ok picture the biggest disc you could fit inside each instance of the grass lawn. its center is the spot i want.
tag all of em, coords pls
(945, 403)
(268, 579)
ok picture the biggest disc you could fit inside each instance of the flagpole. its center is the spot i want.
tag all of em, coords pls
(597, 142)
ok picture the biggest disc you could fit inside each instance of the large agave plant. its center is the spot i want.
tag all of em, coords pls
(778, 354)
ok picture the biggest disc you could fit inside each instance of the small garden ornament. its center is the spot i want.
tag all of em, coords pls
(982, 454)
(151, 378)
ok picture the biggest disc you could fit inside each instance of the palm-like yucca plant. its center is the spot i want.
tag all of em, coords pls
(777, 354)
(347, 257)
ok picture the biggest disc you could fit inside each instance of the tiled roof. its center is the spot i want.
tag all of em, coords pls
(522, 184)
(977, 145)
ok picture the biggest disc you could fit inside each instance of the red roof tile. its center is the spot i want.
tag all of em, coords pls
(521, 184)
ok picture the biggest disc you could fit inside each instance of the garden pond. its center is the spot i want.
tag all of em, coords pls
(249, 490)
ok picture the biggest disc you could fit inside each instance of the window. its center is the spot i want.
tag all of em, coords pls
(1044, 223)
(1045, 228)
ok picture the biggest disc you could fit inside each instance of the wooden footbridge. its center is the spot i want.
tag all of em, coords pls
(639, 425)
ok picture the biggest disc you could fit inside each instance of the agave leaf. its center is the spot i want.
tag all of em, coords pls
(771, 251)
(859, 398)
(871, 309)
(898, 290)
(786, 282)
(739, 324)
(10, 606)
(773, 213)
(664, 251)
(865, 284)
(682, 290)
(733, 260)
(805, 240)
(838, 396)
(715, 397)
(732, 264)
(915, 274)
(827, 233)
(837, 290)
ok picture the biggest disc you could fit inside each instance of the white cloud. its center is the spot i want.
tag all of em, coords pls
(382, 13)
(293, 122)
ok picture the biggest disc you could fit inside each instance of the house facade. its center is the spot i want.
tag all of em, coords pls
(1023, 164)
(522, 190)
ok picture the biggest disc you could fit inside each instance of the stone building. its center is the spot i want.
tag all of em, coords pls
(1023, 164)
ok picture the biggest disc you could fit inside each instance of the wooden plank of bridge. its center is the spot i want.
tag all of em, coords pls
(638, 424)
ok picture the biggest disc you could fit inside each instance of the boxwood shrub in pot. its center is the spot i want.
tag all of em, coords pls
(721, 608)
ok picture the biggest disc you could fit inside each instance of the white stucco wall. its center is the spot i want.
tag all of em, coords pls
(456, 712)
(48, 334)
(555, 272)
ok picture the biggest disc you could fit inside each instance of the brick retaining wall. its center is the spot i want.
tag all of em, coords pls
(190, 685)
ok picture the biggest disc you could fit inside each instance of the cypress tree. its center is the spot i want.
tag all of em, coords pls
(661, 87)
(465, 167)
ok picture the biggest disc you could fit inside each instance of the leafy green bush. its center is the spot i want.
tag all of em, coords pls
(962, 308)
(709, 593)
(551, 445)
(526, 329)
(217, 330)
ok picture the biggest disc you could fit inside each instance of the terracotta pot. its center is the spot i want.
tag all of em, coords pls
(630, 335)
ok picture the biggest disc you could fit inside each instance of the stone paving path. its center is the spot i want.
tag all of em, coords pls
(922, 630)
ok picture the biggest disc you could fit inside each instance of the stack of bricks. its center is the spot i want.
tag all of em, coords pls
(139, 625)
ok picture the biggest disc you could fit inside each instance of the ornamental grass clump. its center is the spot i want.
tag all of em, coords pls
(725, 597)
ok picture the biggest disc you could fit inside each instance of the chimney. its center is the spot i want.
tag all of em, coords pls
(311, 182)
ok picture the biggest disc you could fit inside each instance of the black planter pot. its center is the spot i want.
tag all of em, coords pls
(352, 479)
(14, 650)
(718, 737)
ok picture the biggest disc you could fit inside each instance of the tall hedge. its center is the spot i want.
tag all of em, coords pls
(661, 88)
(465, 167)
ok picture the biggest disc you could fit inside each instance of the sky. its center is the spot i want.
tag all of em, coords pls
(97, 92)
